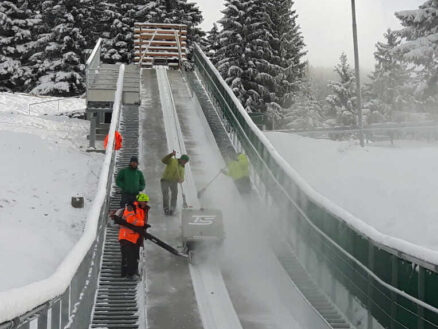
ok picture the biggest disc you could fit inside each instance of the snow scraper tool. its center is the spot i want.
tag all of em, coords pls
(184, 198)
(202, 190)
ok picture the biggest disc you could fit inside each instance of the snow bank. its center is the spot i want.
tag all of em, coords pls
(39, 226)
(388, 193)
(19, 104)
(18, 301)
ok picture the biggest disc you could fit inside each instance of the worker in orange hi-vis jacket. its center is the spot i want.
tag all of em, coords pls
(133, 221)
(118, 141)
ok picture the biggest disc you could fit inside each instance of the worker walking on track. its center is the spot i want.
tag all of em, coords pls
(133, 222)
(131, 182)
(238, 170)
(172, 175)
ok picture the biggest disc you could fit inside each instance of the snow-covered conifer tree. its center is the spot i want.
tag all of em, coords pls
(90, 18)
(342, 101)
(420, 46)
(305, 112)
(117, 26)
(229, 57)
(388, 90)
(243, 52)
(59, 63)
(152, 11)
(261, 53)
(212, 43)
(15, 37)
(281, 68)
(287, 50)
(184, 12)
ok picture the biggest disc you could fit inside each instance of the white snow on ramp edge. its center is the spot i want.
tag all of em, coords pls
(16, 302)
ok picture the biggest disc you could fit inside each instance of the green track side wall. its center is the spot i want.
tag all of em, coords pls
(356, 272)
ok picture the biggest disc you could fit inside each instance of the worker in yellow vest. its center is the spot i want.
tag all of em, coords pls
(238, 170)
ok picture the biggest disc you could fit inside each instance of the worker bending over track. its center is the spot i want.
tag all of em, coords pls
(238, 170)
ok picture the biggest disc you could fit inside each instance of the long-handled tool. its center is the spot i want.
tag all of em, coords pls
(202, 190)
(164, 245)
(183, 197)
(182, 191)
(148, 236)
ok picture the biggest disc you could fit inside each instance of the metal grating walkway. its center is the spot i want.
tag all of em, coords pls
(311, 291)
(116, 299)
(216, 124)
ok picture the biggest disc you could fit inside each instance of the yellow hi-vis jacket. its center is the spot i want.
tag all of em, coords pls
(239, 168)
(174, 171)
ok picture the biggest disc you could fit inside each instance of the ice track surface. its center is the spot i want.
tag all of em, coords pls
(241, 286)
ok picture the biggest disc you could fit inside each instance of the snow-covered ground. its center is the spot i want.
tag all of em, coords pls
(392, 188)
(43, 164)
(39, 105)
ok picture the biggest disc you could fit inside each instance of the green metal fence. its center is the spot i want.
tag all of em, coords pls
(396, 289)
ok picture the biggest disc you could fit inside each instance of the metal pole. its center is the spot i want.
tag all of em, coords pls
(93, 131)
(421, 296)
(356, 66)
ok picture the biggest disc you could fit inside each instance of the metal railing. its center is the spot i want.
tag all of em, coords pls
(389, 132)
(146, 49)
(93, 63)
(361, 270)
(66, 298)
(58, 107)
(178, 44)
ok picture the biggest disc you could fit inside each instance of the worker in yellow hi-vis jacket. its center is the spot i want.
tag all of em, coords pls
(238, 170)
(172, 175)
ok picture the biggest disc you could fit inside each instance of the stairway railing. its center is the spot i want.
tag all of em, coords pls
(66, 298)
(146, 49)
(93, 63)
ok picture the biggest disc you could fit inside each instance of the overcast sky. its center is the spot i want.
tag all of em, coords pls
(326, 26)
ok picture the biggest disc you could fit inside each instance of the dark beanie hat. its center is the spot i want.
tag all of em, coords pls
(134, 159)
(185, 157)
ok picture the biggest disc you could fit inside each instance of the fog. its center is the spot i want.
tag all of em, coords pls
(259, 287)
(326, 26)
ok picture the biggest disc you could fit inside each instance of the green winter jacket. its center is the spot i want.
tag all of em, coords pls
(174, 171)
(239, 168)
(130, 180)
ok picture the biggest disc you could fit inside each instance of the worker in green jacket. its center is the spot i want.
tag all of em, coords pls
(131, 182)
(238, 170)
(172, 175)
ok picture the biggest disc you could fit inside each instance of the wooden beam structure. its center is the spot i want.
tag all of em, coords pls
(160, 44)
